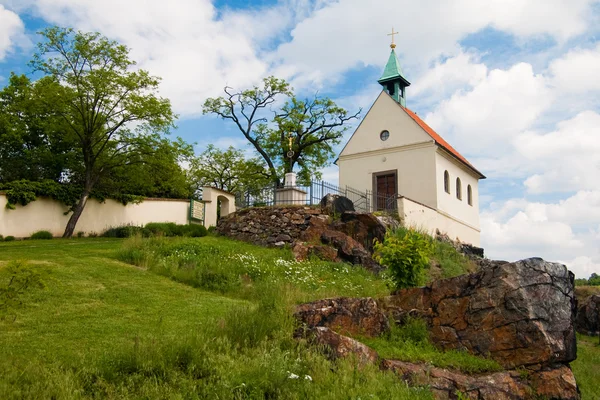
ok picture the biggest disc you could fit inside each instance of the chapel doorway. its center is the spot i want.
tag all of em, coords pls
(385, 190)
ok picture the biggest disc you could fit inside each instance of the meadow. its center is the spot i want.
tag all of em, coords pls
(186, 318)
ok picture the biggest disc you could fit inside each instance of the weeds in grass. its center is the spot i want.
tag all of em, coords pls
(22, 278)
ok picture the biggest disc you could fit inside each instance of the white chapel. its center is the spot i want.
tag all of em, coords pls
(408, 167)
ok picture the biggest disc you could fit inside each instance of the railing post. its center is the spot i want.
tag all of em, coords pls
(310, 193)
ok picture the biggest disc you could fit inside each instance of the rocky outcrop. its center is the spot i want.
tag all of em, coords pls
(555, 382)
(309, 231)
(550, 382)
(518, 313)
(344, 315)
(588, 316)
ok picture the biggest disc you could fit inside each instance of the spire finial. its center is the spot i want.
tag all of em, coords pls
(393, 45)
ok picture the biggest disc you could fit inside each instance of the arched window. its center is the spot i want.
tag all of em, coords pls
(469, 195)
(446, 181)
(458, 189)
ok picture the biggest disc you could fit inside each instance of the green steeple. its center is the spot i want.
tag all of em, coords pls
(393, 80)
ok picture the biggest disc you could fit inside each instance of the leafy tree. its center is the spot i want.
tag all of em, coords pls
(31, 146)
(227, 170)
(111, 112)
(316, 125)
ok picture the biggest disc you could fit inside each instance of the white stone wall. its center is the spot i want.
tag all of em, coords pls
(428, 219)
(48, 214)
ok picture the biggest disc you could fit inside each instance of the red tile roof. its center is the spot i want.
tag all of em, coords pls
(439, 140)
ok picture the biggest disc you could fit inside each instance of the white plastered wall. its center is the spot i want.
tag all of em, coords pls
(447, 202)
(409, 151)
(48, 214)
(425, 218)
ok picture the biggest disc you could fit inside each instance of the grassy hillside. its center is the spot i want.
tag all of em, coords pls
(194, 318)
(106, 329)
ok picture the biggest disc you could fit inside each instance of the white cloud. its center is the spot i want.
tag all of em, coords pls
(350, 33)
(577, 71)
(565, 231)
(185, 42)
(567, 159)
(11, 32)
(484, 120)
(444, 78)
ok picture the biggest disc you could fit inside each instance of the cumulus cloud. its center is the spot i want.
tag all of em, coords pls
(498, 108)
(566, 231)
(566, 159)
(577, 71)
(350, 33)
(186, 42)
(11, 32)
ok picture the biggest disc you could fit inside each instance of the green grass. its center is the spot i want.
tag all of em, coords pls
(106, 329)
(410, 343)
(586, 366)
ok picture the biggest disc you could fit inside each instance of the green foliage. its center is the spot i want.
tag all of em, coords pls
(45, 235)
(594, 280)
(125, 231)
(406, 253)
(9, 238)
(451, 262)
(171, 229)
(109, 111)
(410, 342)
(317, 125)
(228, 170)
(168, 229)
(22, 278)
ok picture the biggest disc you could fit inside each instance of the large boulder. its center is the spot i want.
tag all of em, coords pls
(588, 316)
(334, 204)
(518, 314)
(360, 316)
(362, 227)
(350, 250)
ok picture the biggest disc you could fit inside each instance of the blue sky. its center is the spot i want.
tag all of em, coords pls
(512, 84)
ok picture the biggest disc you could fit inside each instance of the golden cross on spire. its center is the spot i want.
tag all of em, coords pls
(393, 45)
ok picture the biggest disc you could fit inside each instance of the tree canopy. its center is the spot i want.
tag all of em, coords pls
(228, 170)
(92, 123)
(315, 125)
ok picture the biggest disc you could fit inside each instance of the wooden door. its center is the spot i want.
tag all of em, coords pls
(386, 191)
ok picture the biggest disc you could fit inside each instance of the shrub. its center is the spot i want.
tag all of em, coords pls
(80, 234)
(124, 231)
(42, 235)
(1, 238)
(9, 238)
(172, 229)
(406, 253)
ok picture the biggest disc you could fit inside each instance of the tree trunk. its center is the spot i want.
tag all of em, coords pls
(77, 211)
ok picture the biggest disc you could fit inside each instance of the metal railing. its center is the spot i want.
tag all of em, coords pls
(364, 201)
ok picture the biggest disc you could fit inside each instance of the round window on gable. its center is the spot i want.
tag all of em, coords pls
(384, 135)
